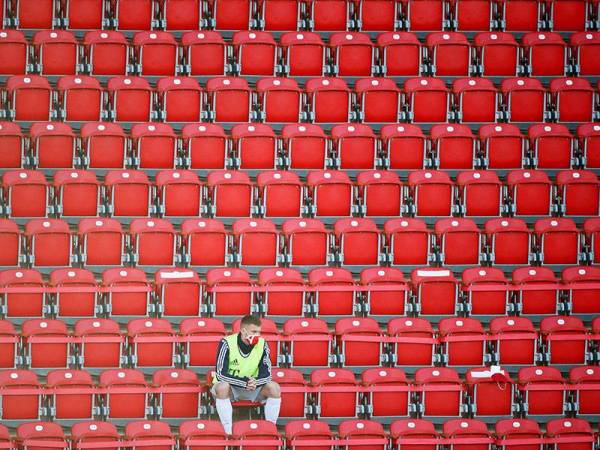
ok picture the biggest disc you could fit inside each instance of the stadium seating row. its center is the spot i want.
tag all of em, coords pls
(298, 54)
(281, 293)
(276, 194)
(281, 100)
(318, 15)
(298, 147)
(331, 393)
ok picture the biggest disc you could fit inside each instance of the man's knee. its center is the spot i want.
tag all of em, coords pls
(271, 390)
(222, 389)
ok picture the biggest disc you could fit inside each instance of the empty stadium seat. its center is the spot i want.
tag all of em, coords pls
(49, 242)
(205, 52)
(355, 146)
(440, 391)
(389, 302)
(179, 193)
(498, 53)
(546, 53)
(307, 242)
(46, 342)
(515, 340)
(280, 99)
(449, 53)
(178, 404)
(306, 146)
(463, 341)
(181, 99)
(29, 97)
(229, 99)
(74, 304)
(130, 99)
(352, 54)
(68, 405)
(19, 406)
(459, 241)
(255, 52)
(56, 52)
(532, 299)
(379, 99)
(101, 342)
(155, 52)
(281, 303)
(481, 193)
(128, 192)
(580, 298)
(329, 99)
(14, 59)
(355, 350)
(530, 191)
(491, 301)
(331, 192)
(103, 145)
(548, 400)
(131, 301)
(23, 304)
(559, 240)
(427, 98)
(381, 192)
(565, 339)
(551, 145)
(400, 54)
(579, 191)
(503, 146)
(106, 52)
(179, 291)
(524, 98)
(205, 145)
(331, 302)
(205, 242)
(336, 404)
(509, 240)
(303, 53)
(436, 290)
(255, 146)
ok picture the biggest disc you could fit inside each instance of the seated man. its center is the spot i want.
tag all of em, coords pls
(243, 372)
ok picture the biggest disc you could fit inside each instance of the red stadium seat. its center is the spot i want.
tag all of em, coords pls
(352, 54)
(495, 299)
(410, 431)
(53, 145)
(46, 343)
(521, 15)
(440, 389)
(331, 192)
(229, 303)
(409, 241)
(359, 241)
(436, 290)
(103, 145)
(152, 343)
(551, 145)
(205, 145)
(481, 193)
(29, 97)
(20, 407)
(454, 146)
(570, 95)
(432, 192)
(205, 242)
(415, 341)
(180, 292)
(106, 52)
(282, 303)
(516, 429)
(515, 340)
(231, 15)
(379, 99)
(133, 14)
(277, 15)
(153, 242)
(400, 54)
(355, 350)
(524, 98)
(178, 404)
(530, 191)
(101, 342)
(589, 141)
(154, 145)
(310, 343)
(49, 242)
(463, 431)
(26, 193)
(179, 193)
(335, 404)
(585, 379)
(550, 398)
(255, 52)
(490, 397)
(509, 240)
(540, 300)
(564, 431)
(140, 431)
(329, 15)
(13, 146)
(13, 48)
(428, 98)
(281, 193)
(585, 49)
(231, 193)
(463, 341)
(558, 239)
(10, 240)
(23, 304)
(193, 431)
(298, 431)
(180, 99)
(331, 302)
(565, 339)
(423, 15)
(381, 192)
(474, 15)
(101, 242)
(579, 191)
(582, 299)
(303, 53)
(130, 99)
(476, 98)
(125, 303)
(255, 146)
(80, 98)
(229, 99)
(405, 146)
(85, 14)
(156, 52)
(307, 242)
(329, 99)
(94, 431)
(77, 192)
(355, 146)
(363, 434)
(591, 228)
(56, 51)
(378, 15)
(546, 53)
(459, 240)
(68, 405)
(202, 338)
(128, 192)
(394, 400)
(31, 433)
(205, 52)
(384, 303)
(74, 304)
(8, 345)
(567, 15)
(498, 53)
(257, 242)
(449, 53)
(130, 397)
(503, 146)
(306, 146)
(280, 99)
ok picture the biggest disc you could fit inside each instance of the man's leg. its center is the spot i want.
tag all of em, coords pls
(272, 393)
(222, 392)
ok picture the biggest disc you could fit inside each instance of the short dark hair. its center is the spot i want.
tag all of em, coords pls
(250, 320)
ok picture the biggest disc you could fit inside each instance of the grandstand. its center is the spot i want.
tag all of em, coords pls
(406, 191)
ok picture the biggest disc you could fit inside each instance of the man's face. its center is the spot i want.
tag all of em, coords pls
(250, 334)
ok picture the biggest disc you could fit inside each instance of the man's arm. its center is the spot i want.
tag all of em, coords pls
(264, 369)
(222, 367)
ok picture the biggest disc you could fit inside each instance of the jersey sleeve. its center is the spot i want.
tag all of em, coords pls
(264, 369)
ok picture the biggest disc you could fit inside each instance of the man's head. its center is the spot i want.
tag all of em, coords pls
(250, 329)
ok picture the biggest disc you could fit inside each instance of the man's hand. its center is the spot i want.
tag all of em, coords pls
(251, 384)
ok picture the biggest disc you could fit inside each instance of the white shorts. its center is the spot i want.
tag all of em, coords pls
(239, 393)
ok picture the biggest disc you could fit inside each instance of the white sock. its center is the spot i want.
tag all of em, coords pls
(225, 411)
(272, 406)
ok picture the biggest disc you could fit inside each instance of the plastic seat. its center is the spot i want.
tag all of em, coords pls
(564, 431)
(154, 145)
(307, 430)
(400, 53)
(46, 353)
(192, 432)
(229, 303)
(78, 192)
(231, 193)
(409, 241)
(153, 242)
(13, 154)
(202, 338)
(558, 239)
(231, 15)
(427, 98)
(180, 99)
(107, 52)
(26, 193)
(570, 95)
(13, 48)
(101, 342)
(151, 342)
(565, 339)
(367, 434)
(509, 240)
(31, 433)
(8, 345)
(177, 405)
(130, 397)
(303, 53)
(530, 191)
(579, 191)
(436, 290)
(331, 192)
(87, 432)
(459, 240)
(205, 242)
(335, 404)
(255, 52)
(23, 304)
(546, 53)
(591, 228)
(153, 430)
(331, 302)
(423, 15)
(279, 99)
(454, 146)
(587, 135)
(405, 146)
(352, 53)
(85, 15)
(277, 15)
(53, 145)
(384, 303)
(180, 292)
(356, 351)
(128, 192)
(503, 146)
(552, 146)
(379, 99)
(133, 15)
(394, 400)
(49, 241)
(310, 342)
(156, 52)
(441, 390)
(101, 241)
(477, 98)
(206, 145)
(491, 301)
(355, 146)
(516, 429)
(378, 15)
(130, 99)
(481, 193)
(255, 146)
(524, 98)
(103, 145)
(19, 406)
(498, 53)
(29, 97)
(449, 53)
(381, 192)
(463, 341)
(329, 99)
(127, 303)
(281, 193)
(281, 303)
(179, 193)
(359, 241)
(10, 241)
(80, 98)
(307, 242)
(491, 398)
(536, 300)
(582, 299)
(521, 15)
(57, 52)
(68, 405)
(515, 340)
(205, 52)
(410, 431)
(229, 99)
(257, 242)
(585, 48)
(473, 15)
(550, 399)
(461, 432)
(585, 379)
(74, 304)
(328, 15)
(306, 146)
